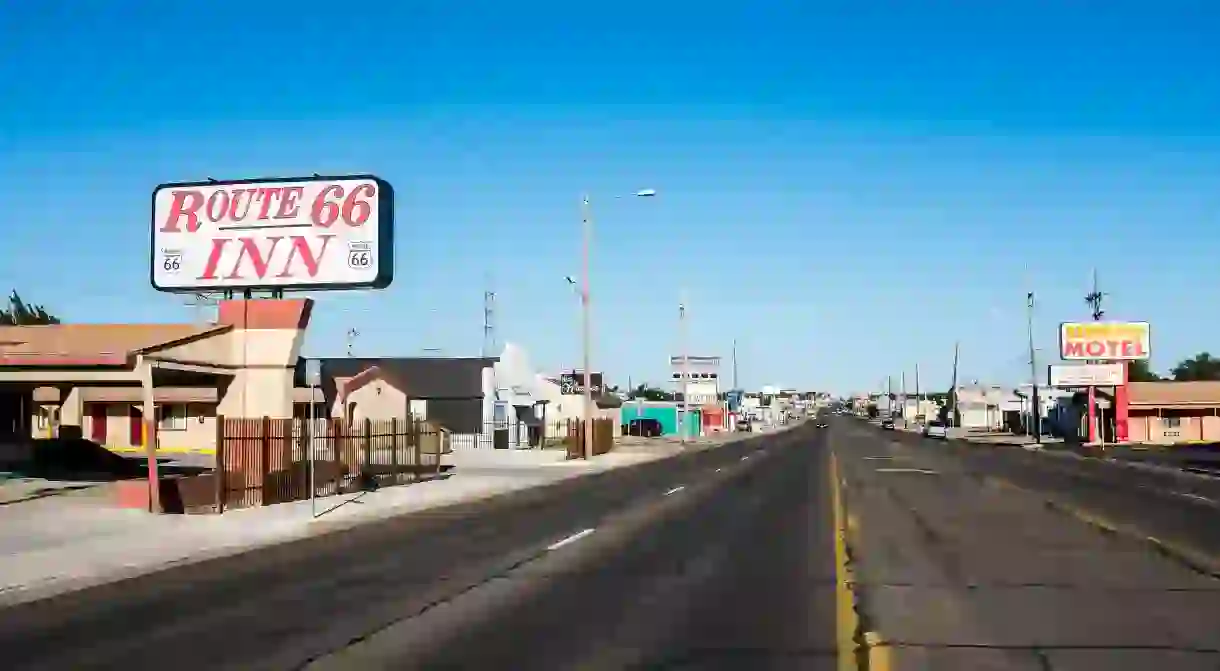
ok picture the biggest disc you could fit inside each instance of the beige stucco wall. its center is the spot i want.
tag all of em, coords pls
(262, 361)
(1151, 429)
(375, 400)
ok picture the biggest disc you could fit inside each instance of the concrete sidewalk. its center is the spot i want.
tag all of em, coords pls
(71, 541)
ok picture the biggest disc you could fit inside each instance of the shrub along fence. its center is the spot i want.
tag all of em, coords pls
(263, 461)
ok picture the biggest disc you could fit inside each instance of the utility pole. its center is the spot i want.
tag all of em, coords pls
(1093, 300)
(585, 326)
(918, 398)
(889, 395)
(685, 368)
(735, 387)
(953, 389)
(1035, 409)
(902, 397)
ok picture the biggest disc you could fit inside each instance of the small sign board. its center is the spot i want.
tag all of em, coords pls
(1086, 375)
(574, 382)
(313, 372)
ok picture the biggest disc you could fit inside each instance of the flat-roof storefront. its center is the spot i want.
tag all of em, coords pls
(1174, 412)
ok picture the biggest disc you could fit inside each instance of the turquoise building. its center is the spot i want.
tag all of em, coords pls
(664, 412)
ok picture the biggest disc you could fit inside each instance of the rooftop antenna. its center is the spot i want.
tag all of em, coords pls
(1094, 299)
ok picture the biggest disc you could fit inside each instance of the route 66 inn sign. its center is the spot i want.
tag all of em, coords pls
(304, 233)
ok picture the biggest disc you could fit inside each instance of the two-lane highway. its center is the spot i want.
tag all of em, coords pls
(846, 547)
(715, 559)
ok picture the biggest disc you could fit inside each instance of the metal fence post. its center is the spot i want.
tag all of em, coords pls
(336, 428)
(367, 443)
(416, 458)
(218, 466)
(265, 467)
(394, 443)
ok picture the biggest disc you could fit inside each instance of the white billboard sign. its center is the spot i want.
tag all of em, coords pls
(308, 233)
(699, 393)
(1087, 375)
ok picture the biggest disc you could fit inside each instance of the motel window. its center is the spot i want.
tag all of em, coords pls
(1172, 422)
(171, 417)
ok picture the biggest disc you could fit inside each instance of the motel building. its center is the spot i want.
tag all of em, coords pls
(1167, 413)
(107, 382)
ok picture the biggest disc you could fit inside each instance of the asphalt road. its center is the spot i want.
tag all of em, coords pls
(721, 558)
(973, 557)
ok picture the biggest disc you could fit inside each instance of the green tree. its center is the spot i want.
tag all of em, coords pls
(1139, 371)
(20, 313)
(645, 393)
(1202, 366)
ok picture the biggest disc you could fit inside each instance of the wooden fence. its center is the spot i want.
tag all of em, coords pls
(263, 461)
(603, 437)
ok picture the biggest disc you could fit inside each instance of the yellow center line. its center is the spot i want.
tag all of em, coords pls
(847, 621)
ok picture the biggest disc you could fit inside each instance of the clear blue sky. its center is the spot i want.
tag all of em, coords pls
(845, 191)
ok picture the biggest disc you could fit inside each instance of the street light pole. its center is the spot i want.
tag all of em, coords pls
(1035, 408)
(585, 326)
(684, 387)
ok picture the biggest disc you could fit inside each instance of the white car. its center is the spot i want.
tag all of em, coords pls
(936, 429)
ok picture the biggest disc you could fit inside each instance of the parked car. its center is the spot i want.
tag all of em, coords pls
(887, 423)
(642, 426)
(936, 429)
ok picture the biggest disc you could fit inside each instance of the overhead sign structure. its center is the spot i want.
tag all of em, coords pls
(1087, 375)
(301, 233)
(1116, 341)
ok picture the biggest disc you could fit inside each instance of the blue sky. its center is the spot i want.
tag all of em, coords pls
(845, 188)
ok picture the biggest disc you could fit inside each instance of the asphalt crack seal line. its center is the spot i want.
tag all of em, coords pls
(859, 648)
(1197, 562)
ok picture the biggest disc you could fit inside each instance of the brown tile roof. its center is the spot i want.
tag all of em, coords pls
(87, 344)
(1203, 393)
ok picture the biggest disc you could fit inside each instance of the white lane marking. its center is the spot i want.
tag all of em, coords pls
(675, 490)
(906, 470)
(570, 539)
(745, 457)
(1193, 497)
(877, 458)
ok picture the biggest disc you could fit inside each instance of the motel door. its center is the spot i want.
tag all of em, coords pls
(97, 423)
(136, 429)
